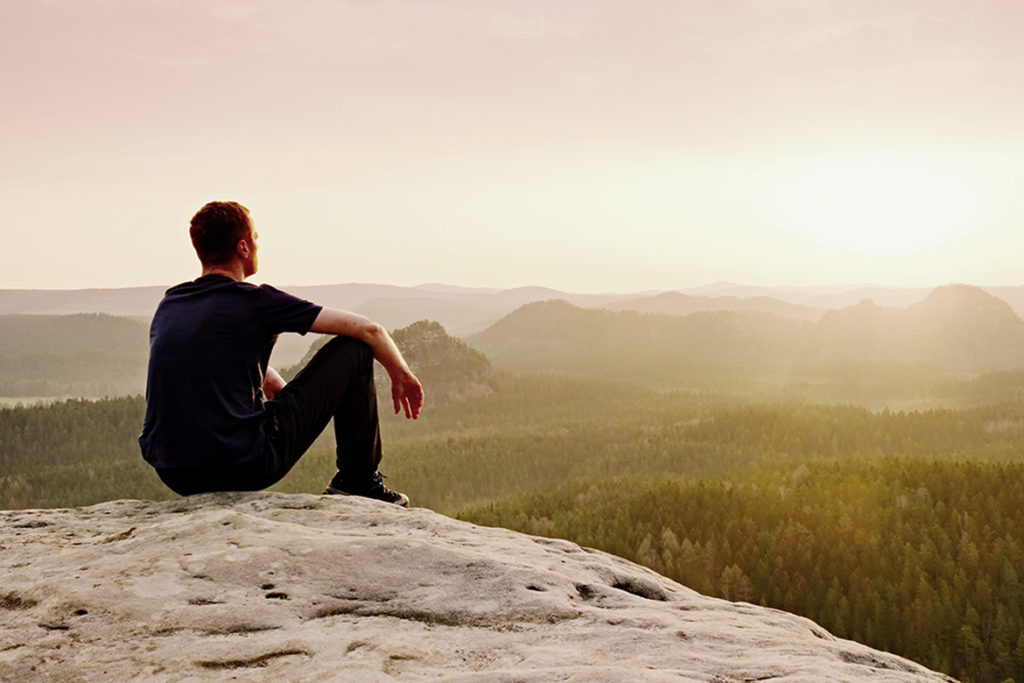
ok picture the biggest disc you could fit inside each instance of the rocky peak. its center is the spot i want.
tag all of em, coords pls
(447, 366)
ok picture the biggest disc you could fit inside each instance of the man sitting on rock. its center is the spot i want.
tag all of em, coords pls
(219, 418)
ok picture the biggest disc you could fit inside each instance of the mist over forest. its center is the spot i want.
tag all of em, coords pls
(854, 456)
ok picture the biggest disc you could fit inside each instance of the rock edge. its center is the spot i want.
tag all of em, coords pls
(302, 587)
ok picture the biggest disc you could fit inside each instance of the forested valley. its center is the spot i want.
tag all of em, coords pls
(902, 529)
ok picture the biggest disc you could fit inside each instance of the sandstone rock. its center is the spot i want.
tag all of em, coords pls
(308, 588)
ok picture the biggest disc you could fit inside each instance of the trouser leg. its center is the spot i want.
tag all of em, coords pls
(336, 383)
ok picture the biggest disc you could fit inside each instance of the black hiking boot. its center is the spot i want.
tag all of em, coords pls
(370, 488)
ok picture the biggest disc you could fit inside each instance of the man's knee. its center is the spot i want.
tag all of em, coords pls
(341, 356)
(358, 350)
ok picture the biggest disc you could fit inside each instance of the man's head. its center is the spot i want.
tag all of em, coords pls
(222, 232)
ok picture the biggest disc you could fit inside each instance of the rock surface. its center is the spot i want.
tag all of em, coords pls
(301, 587)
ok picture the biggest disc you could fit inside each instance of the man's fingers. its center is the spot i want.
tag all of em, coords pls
(401, 402)
(407, 398)
(418, 403)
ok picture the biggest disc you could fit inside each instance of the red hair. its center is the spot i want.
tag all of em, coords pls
(216, 230)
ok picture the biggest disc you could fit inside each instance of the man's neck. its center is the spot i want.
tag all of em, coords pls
(235, 271)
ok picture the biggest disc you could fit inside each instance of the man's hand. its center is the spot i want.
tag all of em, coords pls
(407, 394)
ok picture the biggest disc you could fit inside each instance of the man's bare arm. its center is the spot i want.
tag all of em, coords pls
(406, 392)
(272, 383)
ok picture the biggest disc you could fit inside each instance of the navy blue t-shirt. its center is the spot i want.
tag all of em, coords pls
(209, 346)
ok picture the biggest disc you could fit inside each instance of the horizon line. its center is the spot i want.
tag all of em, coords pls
(716, 285)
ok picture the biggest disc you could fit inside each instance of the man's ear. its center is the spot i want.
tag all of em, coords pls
(243, 248)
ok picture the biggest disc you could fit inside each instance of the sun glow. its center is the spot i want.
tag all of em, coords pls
(880, 205)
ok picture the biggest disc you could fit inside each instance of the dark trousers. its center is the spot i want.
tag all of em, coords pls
(336, 383)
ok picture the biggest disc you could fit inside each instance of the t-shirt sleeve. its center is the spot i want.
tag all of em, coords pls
(284, 312)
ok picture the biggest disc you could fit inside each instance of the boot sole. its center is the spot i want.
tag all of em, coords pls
(403, 501)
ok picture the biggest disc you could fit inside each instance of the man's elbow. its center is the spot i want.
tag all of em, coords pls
(372, 332)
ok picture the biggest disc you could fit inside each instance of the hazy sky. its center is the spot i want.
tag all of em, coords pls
(588, 145)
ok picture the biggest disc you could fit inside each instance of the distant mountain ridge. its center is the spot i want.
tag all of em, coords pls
(468, 310)
(85, 354)
(955, 329)
(128, 302)
(677, 303)
(461, 310)
(658, 349)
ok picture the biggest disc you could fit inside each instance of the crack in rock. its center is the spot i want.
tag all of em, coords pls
(252, 662)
